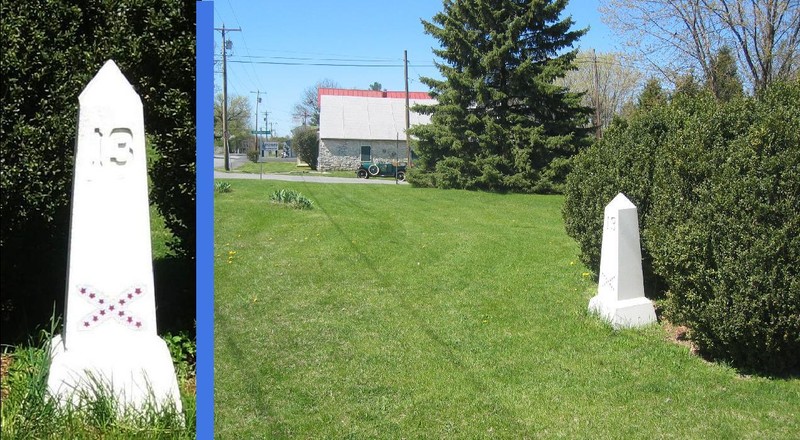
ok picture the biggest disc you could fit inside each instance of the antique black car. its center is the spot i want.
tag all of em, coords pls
(372, 169)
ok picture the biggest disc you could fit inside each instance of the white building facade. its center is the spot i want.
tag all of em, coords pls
(358, 126)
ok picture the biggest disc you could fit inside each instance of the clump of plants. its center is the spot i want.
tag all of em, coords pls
(291, 198)
(222, 187)
(183, 350)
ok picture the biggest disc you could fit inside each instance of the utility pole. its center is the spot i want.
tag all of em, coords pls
(258, 100)
(597, 122)
(408, 116)
(225, 47)
(266, 124)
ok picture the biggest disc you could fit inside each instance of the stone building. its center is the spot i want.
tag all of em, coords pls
(362, 125)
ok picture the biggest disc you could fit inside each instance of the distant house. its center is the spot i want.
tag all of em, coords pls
(362, 125)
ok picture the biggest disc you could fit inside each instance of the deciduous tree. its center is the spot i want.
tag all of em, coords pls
(239, 121)
(306, 144)
(307, 110)
(677, 35)
(607, 81)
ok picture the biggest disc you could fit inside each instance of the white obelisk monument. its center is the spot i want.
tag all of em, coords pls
(109, 334)
(620, 293)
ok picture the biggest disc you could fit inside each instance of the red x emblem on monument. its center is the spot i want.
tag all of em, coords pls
(106, 308)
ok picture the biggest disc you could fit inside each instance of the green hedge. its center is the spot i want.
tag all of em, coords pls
(724, 230)
(718, 192)
(621, 162)
(51, 50)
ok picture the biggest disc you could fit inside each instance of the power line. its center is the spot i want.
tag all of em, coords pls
(254, 79)
(360, 60)
(293, 63)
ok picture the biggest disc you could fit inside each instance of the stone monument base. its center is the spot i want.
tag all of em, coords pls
(629, 313)
(139, 373)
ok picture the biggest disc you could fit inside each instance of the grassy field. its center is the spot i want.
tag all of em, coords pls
(396, 312)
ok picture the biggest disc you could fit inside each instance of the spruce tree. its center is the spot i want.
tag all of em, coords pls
(653, 95)
(724, 82)
(501, 123)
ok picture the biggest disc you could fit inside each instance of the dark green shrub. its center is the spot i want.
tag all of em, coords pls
(253, 155)
(724, 229)
(51, 49)
(183, 349)
(620, 162)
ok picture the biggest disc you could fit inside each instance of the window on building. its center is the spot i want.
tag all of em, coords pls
(366, 153)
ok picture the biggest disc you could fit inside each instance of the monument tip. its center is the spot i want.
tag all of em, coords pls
(108, 81)
(621, 202)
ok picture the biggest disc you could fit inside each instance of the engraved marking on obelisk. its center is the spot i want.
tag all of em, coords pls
(119, 145)
(106, 308)
(607, 281)
(611, 223)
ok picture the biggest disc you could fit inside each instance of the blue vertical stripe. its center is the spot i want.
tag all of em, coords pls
(205, 219)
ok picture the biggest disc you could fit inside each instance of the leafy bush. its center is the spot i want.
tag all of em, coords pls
(291, 198)
(717, 187)
(253, 155)
(724, 229)
(305, 142)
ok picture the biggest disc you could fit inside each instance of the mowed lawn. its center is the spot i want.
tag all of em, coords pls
(395, 312)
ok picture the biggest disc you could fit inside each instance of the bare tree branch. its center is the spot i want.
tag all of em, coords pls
(681, 35)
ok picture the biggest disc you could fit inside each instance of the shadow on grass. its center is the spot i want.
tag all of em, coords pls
(480, 387)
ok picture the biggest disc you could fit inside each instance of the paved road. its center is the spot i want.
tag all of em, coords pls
(304, 178)
(238, 159)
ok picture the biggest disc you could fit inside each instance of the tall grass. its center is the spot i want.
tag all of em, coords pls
(29, 412)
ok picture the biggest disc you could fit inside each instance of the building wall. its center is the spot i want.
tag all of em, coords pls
(345, 154)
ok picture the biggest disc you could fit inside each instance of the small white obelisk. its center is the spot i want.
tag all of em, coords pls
(620, 293)
(109, 335)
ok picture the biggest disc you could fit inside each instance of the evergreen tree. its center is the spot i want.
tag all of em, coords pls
(724, 83)
(501, 122)
(687, 85)
(652, 95)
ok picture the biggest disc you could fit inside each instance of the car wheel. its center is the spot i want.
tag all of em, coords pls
(362, 173)
(373, 170)
(401, 175)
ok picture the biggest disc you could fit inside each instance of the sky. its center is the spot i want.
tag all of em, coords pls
(285, 47)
